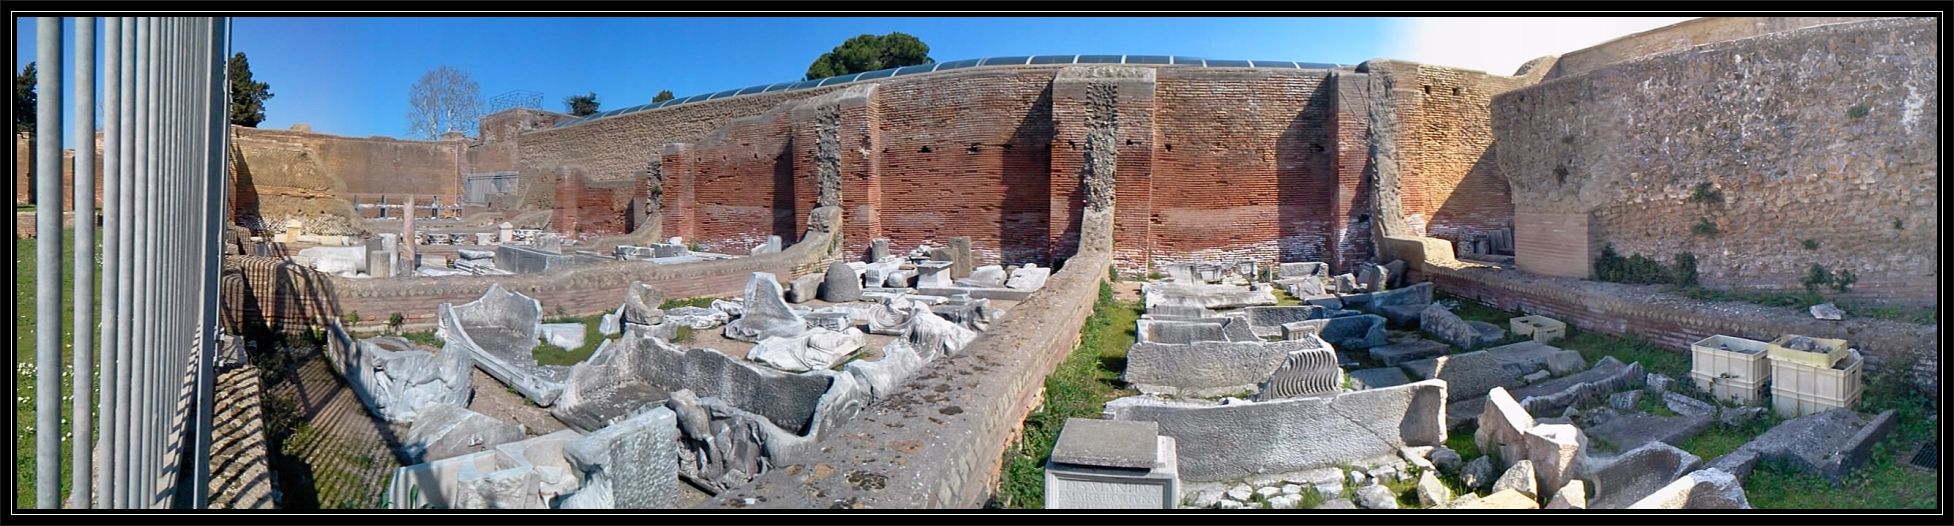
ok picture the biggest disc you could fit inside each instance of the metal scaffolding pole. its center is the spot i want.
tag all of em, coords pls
(214, 132)
(145, 276)
(84, 196)
(111, 256)
(135, 87)
(47, 265)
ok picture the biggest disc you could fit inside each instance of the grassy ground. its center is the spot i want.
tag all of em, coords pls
(1885, 483)
(1079, 388)
(25, 281)
(1802, 300)
(547, 354)
(701, 301)
(1283, 299)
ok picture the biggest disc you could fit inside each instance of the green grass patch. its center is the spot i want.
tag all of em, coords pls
(701, 301)
(426, 338)
(1594, 345)
(1651, 403)
(682, 335)
(1804, 299)
(1079, 388)
(26, 278)
(1885, 483)
(547, 354)
(1460, 440)
(1283, 299)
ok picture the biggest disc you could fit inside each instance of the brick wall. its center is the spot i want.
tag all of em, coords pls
(24, 185)
(1556, 244)
(1821, 134)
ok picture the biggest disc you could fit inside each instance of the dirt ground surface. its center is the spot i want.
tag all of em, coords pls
(496, 400)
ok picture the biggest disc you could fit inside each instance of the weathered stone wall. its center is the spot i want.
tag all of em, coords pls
(1681, 36)
(1823, 134)
(365, 165)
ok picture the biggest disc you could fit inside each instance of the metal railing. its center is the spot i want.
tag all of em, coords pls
(165, 106)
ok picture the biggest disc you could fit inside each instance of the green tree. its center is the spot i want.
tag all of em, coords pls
(247, 96)
(870, 53)
(24, 100)
(662, 96)
(581, 105)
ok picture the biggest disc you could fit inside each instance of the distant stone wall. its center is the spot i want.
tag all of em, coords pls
(1681, 36)
(24, 184)
(1823, 134)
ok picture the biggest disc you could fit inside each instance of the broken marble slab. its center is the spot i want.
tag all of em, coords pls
(501, 330)
(934, 274)
(1705, 489)
(1028, 277)
(804, 289)
(765, 313)
(698, 318)
(1309, 269)
(933, 336)
(1242, 439)
(1441, 323)
(987, 276)
(1207, 296)
(830, 319)
(817, 348)
(397, 379)
(1415, 349)
(1267, 322)
(1830, 443)
(526, 474)
(1006, 294)
(1207, 368)
(564, 335)
(1348, 333)
(976, 315)
(632, 464)
(1624, 479)
(445, 431)
(1184, 331)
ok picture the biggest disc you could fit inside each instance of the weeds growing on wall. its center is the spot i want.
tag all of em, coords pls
(1809, 244)
(1078, 388)
(1638, 269)
(1706, 193)
(1704, 227)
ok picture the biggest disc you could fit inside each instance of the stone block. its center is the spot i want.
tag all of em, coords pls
(1243, 439)
(447, 431)
(1708, 489)
(1556, 451)
(934, 274)
(1624, 479)
(1348, 333)
(1469, 375)
(1377, 497)
(643, 468)
(804, 289)
(1028, 278)
(1266, 322)
(564, 335)
(1519, 477)
(1305, 269)
(1431, 492)
(1499, 500)
(1378, 378)
(990, 276)
(1573, 496)
(840, 284)
(1073, 482)
(1205, 368)
(1417, 349)
(765, 312)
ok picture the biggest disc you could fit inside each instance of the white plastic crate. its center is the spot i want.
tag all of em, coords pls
(1731, 358)
(1798, 389)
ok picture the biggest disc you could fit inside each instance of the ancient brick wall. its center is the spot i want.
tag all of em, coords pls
(24, 186)
(588, 208)
(1822, 134)
(1245, 166)
(743, 184)
(1680, 36)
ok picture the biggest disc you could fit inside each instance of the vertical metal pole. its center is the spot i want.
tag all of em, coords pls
(136, 32)
(159, 301)
(47, 268)
(139, 469)
(212, 177)
(84, 371)
(111, 252)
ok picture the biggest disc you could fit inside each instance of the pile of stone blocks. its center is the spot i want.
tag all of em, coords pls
(1210, 368)
(397, 379)
(1112, 464)
(1554, 461)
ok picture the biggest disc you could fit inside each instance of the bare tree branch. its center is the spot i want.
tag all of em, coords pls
(445, 99)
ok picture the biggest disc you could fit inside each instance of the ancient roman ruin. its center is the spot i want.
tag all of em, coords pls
(1357, 286)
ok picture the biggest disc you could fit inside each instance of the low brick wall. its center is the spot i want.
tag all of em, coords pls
(278, 294)
(1674, 322)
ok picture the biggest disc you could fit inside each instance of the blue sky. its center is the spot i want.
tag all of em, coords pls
(350, 76)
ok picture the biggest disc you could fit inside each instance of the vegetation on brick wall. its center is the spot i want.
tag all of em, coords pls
(1704, 227)
(1638, 269)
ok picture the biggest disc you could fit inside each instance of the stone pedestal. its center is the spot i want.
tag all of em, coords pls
(1112, 464)
(934, 274)
(506, 233)
(960, 257)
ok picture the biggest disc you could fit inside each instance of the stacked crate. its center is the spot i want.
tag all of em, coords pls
(1806, 382)
(1731, 368)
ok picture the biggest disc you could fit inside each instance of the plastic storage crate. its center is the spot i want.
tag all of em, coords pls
(1798, 389)
(1730, 357)
(1543, 329)
(1826, 352)
(1732, 389)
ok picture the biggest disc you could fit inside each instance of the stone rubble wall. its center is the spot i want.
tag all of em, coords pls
(1681, 36)
(1822, 134)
